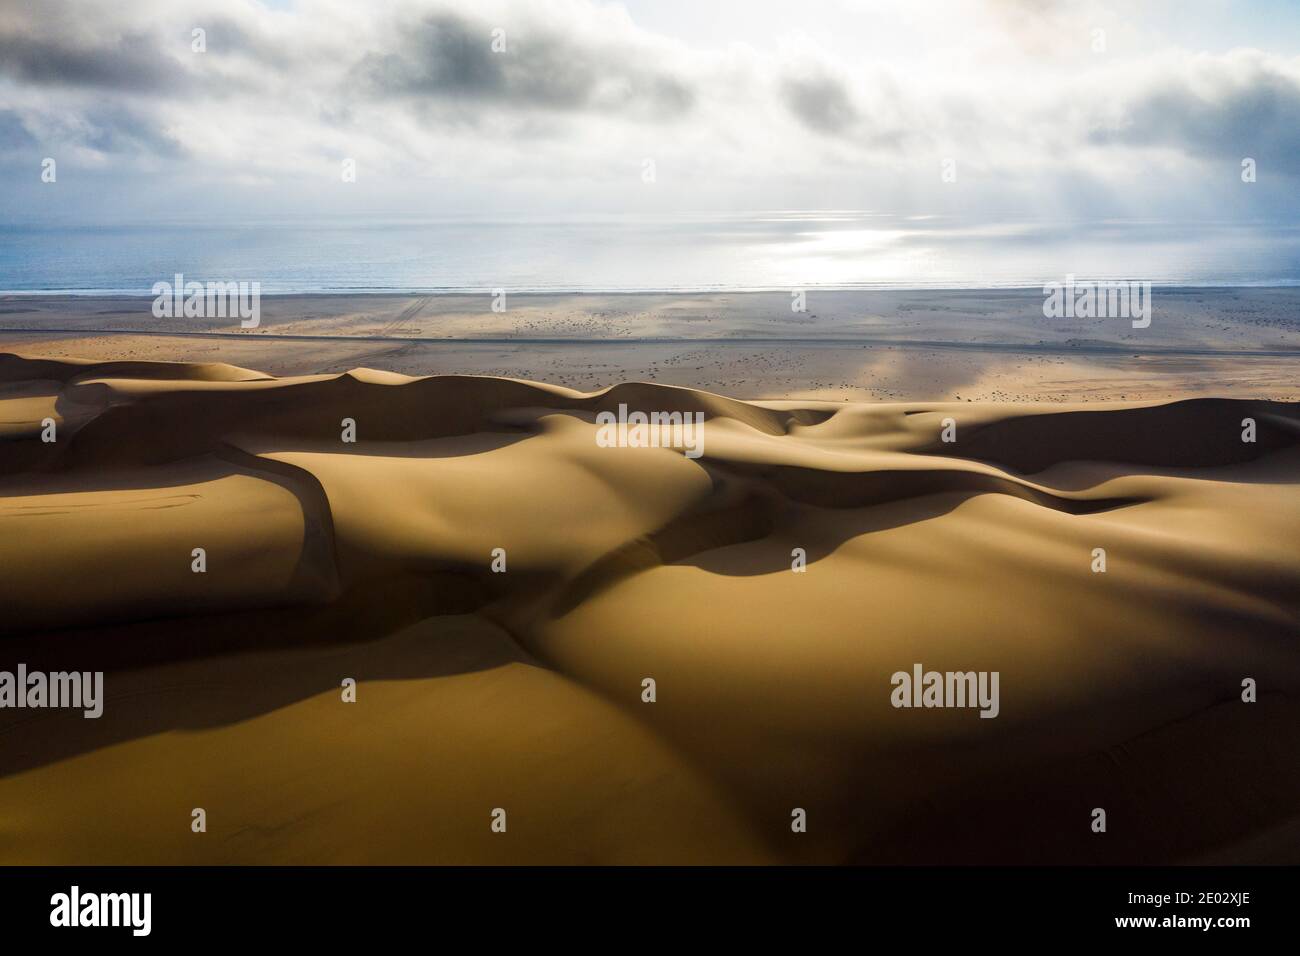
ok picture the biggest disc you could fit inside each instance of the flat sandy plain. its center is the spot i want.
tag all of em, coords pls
(522, 690)
(847, 346)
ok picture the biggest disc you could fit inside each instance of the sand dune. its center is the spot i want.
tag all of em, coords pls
(522, 690)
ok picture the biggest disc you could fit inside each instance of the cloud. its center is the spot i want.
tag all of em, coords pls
(582, 94)
(120, 129)
(451, 57)
(1246, 103)
(821, 103)
(132, 61)
(13, 132)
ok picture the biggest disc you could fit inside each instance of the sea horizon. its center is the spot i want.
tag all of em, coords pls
(763, 251)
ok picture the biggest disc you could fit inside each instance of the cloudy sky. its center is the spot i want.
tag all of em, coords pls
(1048, 110)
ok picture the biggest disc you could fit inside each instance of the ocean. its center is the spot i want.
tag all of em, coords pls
(755, 251)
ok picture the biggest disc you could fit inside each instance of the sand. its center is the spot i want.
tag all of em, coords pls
(926, 345)
(523, 691)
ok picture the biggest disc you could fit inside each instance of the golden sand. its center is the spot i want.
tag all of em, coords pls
(522, 690)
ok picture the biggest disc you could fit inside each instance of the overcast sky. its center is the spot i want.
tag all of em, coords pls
(1055, 110)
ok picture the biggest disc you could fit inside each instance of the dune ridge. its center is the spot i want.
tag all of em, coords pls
(374, 559)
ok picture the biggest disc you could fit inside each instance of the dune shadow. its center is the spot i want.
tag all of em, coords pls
(749, 501)
(1197, 433)
(219, 669)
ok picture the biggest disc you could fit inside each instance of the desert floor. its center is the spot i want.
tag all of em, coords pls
(847, 346)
